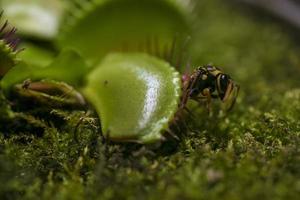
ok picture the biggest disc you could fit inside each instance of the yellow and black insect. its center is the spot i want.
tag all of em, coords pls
(208, 82)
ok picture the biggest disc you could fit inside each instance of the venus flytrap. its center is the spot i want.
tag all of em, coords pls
(136, 96)
(136, 92)
(161, 22)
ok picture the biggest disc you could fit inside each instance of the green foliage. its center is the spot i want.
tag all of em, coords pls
(149, 89)
(7, 58)
(59, 69)
(98, 27)
(251, 153)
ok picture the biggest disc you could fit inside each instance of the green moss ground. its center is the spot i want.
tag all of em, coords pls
(252, 153)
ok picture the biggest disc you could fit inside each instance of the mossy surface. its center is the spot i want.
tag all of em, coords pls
(251, 153)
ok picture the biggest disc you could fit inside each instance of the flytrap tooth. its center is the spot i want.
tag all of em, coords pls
(166, 51)
(14, 43)
(156, 47)
(8, 35)
(3, 26)
(152, 46)
(9, 42)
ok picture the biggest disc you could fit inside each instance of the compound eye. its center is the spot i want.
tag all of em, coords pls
(224, 81)
(224, 84)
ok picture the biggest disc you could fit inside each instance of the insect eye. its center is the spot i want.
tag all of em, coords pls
(224, 81)
(224, 85)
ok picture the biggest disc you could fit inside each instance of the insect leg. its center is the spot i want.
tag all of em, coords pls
(206, 93)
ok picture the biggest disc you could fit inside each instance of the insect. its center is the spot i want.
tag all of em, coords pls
(207, 83)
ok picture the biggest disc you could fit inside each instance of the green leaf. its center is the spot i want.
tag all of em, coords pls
(36, 55)
(68, 67)
(136, 96)
(103, 26)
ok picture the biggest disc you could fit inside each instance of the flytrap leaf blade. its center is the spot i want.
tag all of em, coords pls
(135, 95)
(68, 67)
(104, 26)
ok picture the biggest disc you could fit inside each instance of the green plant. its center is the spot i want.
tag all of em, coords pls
(8, 47)
(52, 152)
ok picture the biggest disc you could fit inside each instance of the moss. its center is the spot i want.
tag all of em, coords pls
(253, 152)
